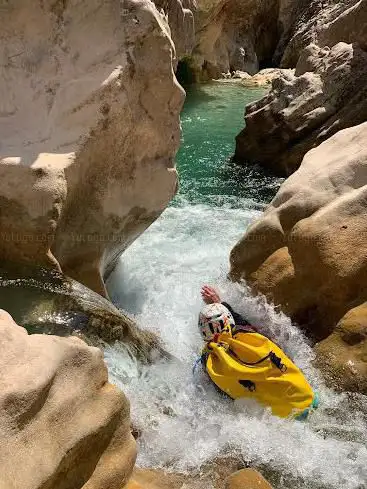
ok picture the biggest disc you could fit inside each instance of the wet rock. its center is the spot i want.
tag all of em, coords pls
(63, 426)
(216, 475)
(343, 355)
(45, 301)
(307, 253)
(327, 93)
(246, 478)
(89, 131)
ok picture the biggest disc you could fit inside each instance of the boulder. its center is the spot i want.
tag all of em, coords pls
(223, 479)
(264, 77)
(326, 93)
(89, 131)
(325, 23)
(63, 426)
(343, 355)
(308, 251)
(246, 479)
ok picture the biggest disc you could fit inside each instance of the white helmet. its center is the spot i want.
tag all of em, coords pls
(212, 320)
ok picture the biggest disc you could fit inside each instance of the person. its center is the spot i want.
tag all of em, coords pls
(211, 296)
(241, 362)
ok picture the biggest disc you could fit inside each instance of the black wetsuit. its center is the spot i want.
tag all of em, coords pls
(241, 324)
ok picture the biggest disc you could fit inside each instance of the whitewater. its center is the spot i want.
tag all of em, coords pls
(182, 421)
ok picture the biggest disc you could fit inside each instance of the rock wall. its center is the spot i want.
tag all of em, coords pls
(308, 251)
(180, 17)
(327, 92)
(234, 35)
(62, 425)
(308, 254)
(89, 122)
(325, 23)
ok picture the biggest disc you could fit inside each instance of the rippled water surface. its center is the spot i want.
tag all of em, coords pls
(183, 422)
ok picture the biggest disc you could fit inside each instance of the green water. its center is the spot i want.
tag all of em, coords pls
(213, 114)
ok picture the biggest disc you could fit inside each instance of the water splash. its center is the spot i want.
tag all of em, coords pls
(183, 421)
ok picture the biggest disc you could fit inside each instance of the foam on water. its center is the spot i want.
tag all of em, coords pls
(184, 423)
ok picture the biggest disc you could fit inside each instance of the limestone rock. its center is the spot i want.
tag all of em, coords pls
(89, 124)
(180, 17)
(45, 301)
(308, 251)
(63, 426)
(327, 93)
(158, 479)
(233, 35)
(264, 77)
(343, 355)
(290, 14)
(246, 478)
(325, 23)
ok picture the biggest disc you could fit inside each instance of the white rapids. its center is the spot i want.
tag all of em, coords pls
(183, 421)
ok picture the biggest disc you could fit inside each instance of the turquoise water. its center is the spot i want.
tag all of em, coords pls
(183, 422)
(213, 114)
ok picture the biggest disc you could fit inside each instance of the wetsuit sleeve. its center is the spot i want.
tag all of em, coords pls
(238, 319)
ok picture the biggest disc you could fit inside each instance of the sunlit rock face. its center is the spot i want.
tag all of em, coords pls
(308, 251)
(89, 123)
(234, 35)
(62, 425)
(324, 22)
(326, 93)
(342, 356)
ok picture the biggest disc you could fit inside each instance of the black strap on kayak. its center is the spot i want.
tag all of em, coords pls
(248, 384)
(248, 364)
(277, 361)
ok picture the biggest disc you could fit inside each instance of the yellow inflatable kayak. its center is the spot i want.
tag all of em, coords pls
(250, 365)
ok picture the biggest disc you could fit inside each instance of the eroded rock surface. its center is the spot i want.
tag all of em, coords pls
(327, 92)
(343, 355)
(308, 251)
(45, 301)
(180, 17)
(325, 23)
(89, 124)
(234, 35)
(62, 425)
